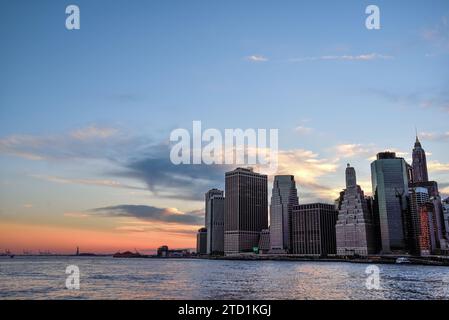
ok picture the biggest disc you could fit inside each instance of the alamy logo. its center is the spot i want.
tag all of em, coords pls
(238, 147)
(72, 22)
(373, 280)
(73, 280)
(372, 22)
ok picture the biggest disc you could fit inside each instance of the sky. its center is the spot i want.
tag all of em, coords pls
(86, 115)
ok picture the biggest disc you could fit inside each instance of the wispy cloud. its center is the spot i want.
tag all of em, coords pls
(89, 182)
(93, 132)
(435, 166)
(91, 142)
(361, 57)
(350, 150)
(424, 99)
(77, 215)
(257, 58)
(438, 35)
(434, 136)
(303, 130)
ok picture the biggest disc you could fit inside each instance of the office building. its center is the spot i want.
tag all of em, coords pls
(354, 228)
(284, 197)
(313, 229)
(201, 241)
(390, 180)
(246, 210)
(264, 241)
(215, 221)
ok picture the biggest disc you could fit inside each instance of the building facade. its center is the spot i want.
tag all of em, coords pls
(354, 228)
(390, 180)
(313, 229)
(418, 197)
(246, 209)
(421, 180)
(201, 241)
(264, 241)
(284, 197)
(214, 205)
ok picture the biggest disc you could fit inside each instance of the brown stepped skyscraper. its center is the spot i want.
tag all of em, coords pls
(246, 209)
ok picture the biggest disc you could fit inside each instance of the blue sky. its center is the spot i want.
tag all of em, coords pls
(85, 114)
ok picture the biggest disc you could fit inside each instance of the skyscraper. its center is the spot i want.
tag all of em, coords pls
(246, 209)
(201, 241)
(215, 221)
(421, 180)
(389, 175)
(354, 228)
(419, 163)
(313, 229)
(418, 197)
(284, 197)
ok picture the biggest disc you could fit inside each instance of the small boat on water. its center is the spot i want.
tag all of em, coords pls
(403, 260)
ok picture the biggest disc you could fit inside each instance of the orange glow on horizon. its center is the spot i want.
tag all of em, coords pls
(35, 238)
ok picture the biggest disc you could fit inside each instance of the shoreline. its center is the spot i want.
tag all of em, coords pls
(412, 260)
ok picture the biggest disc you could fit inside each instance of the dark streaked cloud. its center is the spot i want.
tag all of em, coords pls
(150, 213)
(165, 179)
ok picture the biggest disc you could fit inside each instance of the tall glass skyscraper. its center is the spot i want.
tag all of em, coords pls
(389, 176)
(284, 197)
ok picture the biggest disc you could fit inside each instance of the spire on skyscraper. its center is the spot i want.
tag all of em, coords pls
(417, 142)
(419, 162)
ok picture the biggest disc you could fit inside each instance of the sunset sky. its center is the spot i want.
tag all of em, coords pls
(85, 115)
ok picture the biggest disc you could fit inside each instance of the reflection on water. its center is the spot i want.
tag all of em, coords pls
(108, 278)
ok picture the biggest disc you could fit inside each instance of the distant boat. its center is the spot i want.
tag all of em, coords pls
(403, 260)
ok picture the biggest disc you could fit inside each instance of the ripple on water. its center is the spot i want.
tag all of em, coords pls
(108, 278)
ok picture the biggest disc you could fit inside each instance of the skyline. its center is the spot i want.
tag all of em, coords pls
(85, 115)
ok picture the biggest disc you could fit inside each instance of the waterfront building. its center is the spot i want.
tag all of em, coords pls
(162, 251)
(284, 197)
(214, 206)
(428, 232)
(418, 197)
(445, 241)
(246, 209)
(421, 180)
(201, 241)
(445, 206)
(354, 228)
(313, 229)
(264, 242)
(390, 180)
(424, 233)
